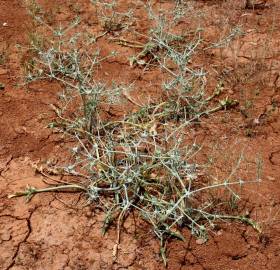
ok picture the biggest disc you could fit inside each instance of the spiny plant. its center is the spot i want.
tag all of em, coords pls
(110, 18)
(139, 162)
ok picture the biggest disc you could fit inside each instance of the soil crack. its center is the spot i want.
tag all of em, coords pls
(29, 231)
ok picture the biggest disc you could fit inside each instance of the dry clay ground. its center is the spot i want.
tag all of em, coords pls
(56, 231)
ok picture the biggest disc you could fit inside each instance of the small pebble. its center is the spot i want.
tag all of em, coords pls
(201, 241)
(89, 214)
(6, 236)
(270, 178)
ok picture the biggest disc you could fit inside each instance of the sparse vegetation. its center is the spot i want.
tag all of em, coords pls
(142, 161)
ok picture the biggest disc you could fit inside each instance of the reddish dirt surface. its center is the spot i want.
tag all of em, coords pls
(57, 231)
